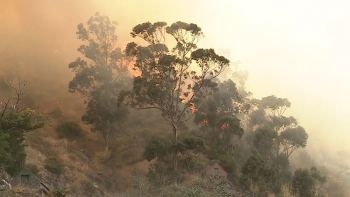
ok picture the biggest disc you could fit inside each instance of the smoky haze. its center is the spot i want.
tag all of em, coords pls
(296, 50)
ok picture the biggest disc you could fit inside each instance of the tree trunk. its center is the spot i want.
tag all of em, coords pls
(106, 136)
(175, 155)
(106, 146)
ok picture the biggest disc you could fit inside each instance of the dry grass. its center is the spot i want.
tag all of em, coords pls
(76, 170)
(118, 175)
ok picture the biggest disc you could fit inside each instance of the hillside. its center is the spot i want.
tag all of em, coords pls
(147, 119)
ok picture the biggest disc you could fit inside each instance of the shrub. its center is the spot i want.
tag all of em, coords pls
(59, 193)
(32, 168)
(103, 157)
(69, 130)
(227, 162)
(89, 190)
(54, 164)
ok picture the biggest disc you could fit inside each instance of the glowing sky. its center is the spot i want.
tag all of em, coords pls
(293, 49)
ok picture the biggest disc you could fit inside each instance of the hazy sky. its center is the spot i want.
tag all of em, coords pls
(293, 49)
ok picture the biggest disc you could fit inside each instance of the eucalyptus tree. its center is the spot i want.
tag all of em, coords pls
(277, 136)
(218, 116)
(173, 80)
(100, 76)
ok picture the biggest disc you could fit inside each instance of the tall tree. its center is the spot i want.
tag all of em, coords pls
(276, 136)
(100, 76)
(174, 81)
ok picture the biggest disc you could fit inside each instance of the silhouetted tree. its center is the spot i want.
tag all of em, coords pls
(100, 77)
(217, 116)
(174, 81)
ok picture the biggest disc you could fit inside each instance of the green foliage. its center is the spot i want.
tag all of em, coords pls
(54, 165)
(264, 141)
(274, 103)
(217, 116)
(258, 174)
(227, 161)
(32, 168)
(293, 138)
(166, 81)
(176, 81)
(69, 129)
(158, 148)
(192, 192)
(13, 126)
(162, 172)
(275, 136)
(190, 163)
(266, 144)
(283, 173)
(59, 193)
(101, 158)
(4, 146)
(304, 182)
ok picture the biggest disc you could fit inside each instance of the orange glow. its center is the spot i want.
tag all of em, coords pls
(224, 126)
(193, 109)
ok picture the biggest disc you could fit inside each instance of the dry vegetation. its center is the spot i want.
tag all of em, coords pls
(79, 157)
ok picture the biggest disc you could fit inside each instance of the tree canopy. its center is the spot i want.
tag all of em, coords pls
(100, 76)
(175, 81)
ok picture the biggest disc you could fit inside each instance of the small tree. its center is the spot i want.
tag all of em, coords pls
(258, 175)
(69, 129)
(305, 182)
(54, 164)
(174, 81)
(161, 150)
(15, 122)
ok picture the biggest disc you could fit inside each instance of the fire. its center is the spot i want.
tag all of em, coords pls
(224, 126)
(193, 109)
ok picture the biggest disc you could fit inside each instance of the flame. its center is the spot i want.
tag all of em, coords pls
(193, 109)
(183, 100)
(224, 126)
(205, 121)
